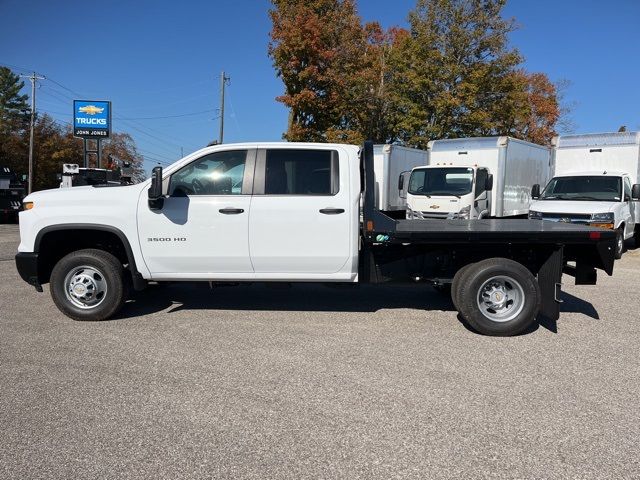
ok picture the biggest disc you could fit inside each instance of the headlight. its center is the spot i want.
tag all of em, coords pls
(533, 215)
(465, 212)
(602, 217)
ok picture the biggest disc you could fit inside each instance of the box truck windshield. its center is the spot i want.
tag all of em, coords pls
(441, 181)
(586, 188)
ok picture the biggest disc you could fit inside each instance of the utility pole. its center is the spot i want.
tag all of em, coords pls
(33, 77)
(224, 81)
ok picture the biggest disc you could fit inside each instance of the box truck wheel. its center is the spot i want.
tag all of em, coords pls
(499, 297)
(458, 279)
(88, 285)
(619, 242)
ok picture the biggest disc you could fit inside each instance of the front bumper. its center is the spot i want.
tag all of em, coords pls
(27, 265)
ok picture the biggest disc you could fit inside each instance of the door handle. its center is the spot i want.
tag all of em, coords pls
(231, 211)
(332, 211)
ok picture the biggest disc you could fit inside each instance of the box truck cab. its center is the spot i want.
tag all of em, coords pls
(594, 183)
(474, 178)
(450, 192)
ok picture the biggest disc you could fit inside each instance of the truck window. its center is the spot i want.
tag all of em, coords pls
(481, 181)
(445, 181)
(584, 188)
(301, 172)
(627, 189)
(219, 173)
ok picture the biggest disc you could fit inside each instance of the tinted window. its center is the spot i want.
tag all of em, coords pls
(587, 188)
(481, 181)
(441, 181)
(300, 172)
(218, 173)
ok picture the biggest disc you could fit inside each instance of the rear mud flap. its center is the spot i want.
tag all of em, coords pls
(549, 280)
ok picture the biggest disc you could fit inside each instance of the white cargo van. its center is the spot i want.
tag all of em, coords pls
(472, 178)
(389, 161)
(594, 181)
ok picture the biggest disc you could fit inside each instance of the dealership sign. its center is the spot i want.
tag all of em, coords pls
(91, 119)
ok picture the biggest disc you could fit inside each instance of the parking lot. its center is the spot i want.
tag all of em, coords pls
(316, 382)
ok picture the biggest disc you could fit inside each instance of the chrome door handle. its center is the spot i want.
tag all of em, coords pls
(332, 211)
(231, 211)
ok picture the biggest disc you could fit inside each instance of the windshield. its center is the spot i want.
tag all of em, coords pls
(598, 188)
(441, 181)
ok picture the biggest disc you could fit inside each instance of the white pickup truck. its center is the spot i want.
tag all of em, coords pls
(291, 212)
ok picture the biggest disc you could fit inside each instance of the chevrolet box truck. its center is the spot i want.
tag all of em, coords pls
(474, 178)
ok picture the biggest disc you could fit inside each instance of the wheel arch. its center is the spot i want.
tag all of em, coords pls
(55, 241)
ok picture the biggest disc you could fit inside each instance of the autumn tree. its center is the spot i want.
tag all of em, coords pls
(536, 121)
(119, 148)
(457, 70)
(317, 46)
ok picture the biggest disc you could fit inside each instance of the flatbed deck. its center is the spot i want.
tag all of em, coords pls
(498, 230)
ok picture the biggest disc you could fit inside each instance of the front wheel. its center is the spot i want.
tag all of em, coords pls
(88, 285)
(619, 242)
(499, 297)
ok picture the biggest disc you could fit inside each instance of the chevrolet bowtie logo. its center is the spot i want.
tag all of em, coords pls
(90, 109)
(434, 207)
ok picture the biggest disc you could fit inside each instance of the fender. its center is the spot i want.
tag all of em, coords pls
(139, 283)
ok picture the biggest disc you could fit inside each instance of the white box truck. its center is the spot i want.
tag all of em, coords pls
(594, 183)
(389, 162)
(473, 178)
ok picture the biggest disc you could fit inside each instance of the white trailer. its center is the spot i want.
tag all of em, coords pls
(389, 162)
(473, 178)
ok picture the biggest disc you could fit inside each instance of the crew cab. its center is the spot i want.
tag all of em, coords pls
(291, 212)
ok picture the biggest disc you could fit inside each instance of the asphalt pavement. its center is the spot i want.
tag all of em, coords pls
(253, 382)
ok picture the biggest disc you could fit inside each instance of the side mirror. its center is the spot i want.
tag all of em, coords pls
(488, 184)
(401, 182)
(535, 192)
(635, 192)
(156, 199)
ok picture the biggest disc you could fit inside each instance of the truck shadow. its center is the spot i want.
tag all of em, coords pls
(178, 297)
(302, 297)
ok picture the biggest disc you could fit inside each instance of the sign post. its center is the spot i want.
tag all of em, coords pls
(91, 121)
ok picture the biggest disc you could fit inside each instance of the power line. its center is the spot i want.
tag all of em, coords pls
(171, 116)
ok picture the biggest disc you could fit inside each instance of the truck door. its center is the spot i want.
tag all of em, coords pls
(629, 211)
(481, 200)
(299, 222)
(203, 226)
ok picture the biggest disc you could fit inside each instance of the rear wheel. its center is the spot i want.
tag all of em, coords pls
(458, 279)
(88, 285)
(499, 297)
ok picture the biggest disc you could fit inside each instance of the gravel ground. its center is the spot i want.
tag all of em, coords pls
(312, 382)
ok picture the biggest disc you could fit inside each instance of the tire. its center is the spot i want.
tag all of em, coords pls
(619, 242)
(458, 279)
(100, 285)
(499, 281)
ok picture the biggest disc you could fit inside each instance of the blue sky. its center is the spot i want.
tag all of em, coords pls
(161, 58)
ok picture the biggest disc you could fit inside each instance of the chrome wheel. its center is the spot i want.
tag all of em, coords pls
(501, 298)
(85, 287)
